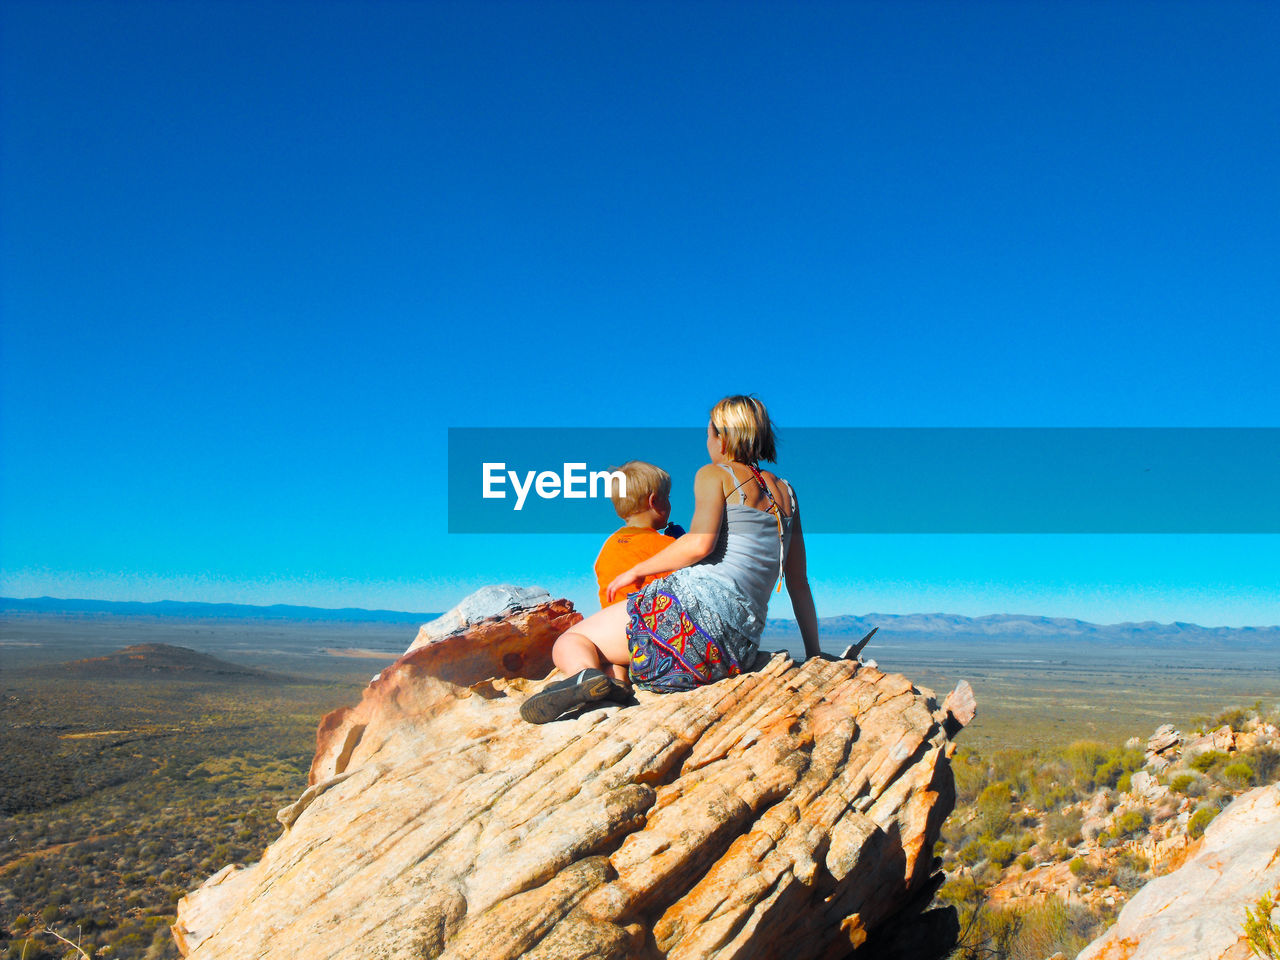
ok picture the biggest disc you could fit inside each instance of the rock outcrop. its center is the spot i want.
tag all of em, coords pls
(498, 633)
(1162, 747)
(488, 603)
(790, 811)
(1197, 911)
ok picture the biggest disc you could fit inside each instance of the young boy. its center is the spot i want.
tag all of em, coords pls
(644, 511)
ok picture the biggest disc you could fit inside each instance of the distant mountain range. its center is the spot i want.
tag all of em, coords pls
(1021, 627)
(239, 611)
(1003, 626)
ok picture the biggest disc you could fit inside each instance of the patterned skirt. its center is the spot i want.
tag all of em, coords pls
(689, 629)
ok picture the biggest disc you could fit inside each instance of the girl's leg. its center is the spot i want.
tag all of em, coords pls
(599, 641)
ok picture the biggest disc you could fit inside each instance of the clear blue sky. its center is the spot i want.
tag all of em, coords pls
(257, 257)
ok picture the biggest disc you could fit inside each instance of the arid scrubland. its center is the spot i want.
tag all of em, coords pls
(1047, 845)
(120, 794)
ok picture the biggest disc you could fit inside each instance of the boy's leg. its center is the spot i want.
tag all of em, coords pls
(579, 654)
(599, 641)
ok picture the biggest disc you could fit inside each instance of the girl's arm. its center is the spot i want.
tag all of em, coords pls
(704, 530)
(797, 575)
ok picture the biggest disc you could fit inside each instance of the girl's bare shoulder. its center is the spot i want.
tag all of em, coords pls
(709, 475)
(774, 479)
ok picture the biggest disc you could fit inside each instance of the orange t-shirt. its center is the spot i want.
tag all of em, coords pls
(622, 551)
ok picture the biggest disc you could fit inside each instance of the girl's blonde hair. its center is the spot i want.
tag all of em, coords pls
(743, 423)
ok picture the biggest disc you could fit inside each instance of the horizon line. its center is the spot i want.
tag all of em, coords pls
(436, 614)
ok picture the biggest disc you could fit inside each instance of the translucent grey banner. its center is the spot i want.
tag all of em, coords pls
(893, 480)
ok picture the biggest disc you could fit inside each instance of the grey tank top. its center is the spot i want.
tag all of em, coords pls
(748, 551)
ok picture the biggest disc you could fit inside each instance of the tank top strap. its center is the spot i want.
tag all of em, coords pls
(791, 495)
(742, 497)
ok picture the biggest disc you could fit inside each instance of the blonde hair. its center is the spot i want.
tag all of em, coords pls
(642, 479)
(743, 423)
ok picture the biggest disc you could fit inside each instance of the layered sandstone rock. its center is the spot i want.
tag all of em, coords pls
(488, 603)
(790, 811)
(496, 633)
(1162, 747)
(1197, 911)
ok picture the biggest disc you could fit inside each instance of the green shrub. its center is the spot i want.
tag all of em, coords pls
(1132, 871)
(1181, 782)
(1064, 826)
(1026, 861)
(1050, 928)
(1015, 766)
(1239, 773)
(1129, 880)
(994, 808)
(1134, 861)
(1131, 821)
(1083, 759)
(1199, 820)
(1202, 762)
(1265, 762)
(1078, 867)
(970, 773)
(987, 873)
(1235, 719)
(1049, 794)
(1116, 764)
(1260, 931)
(1001, 852)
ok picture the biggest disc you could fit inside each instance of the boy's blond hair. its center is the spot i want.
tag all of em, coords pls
(642, 479)
(743, 423)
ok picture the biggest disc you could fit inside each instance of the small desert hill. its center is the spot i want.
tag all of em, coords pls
(164, 661)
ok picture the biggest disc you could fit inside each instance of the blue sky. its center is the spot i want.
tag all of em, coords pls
(257, 258)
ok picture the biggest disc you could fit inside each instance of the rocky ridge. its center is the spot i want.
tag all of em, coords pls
(791, 811)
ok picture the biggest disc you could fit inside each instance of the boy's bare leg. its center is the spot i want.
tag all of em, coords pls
(599, 641)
